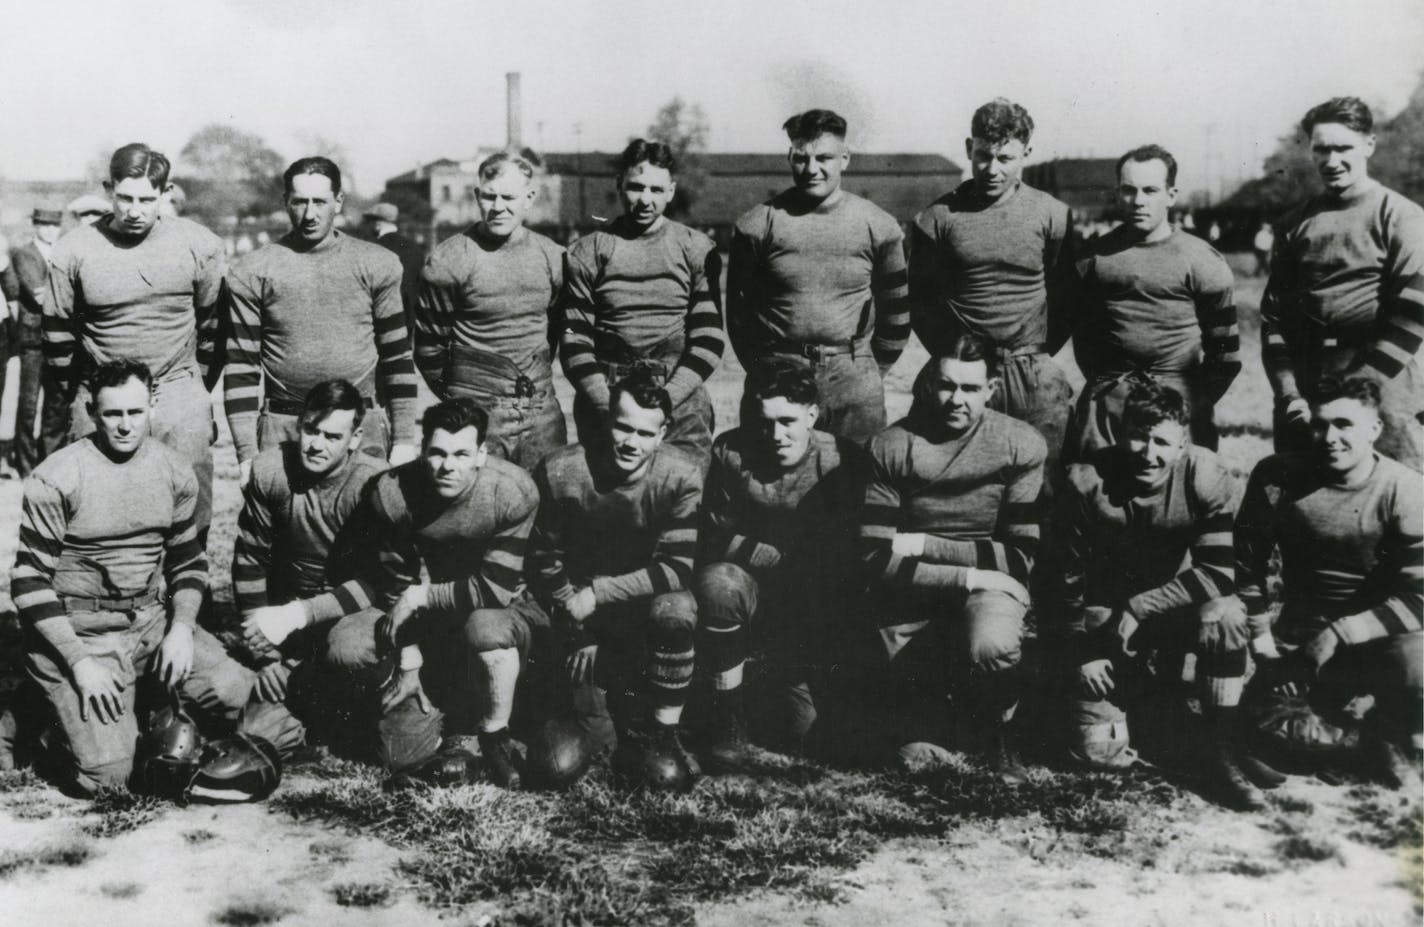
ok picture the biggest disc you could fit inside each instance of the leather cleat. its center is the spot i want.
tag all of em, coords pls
(1228, 785)
(1004, 758)
(501, 759)
(1261, 773)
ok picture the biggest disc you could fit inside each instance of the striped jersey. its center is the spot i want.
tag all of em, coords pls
(628, 540)
(828, 276)
(1160, 307)
(287, 533)
(495, 295)
(333, 311)
(1352, 557)
(975, 495)
(1351, 269)
(94, 527)
(997, 270)
(152, 300)
(473, 546)
(658, 293)
(1153, 551)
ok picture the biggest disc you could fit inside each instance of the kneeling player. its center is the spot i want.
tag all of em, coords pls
(612, 551)
(949, 532)
(1131, 517)
(1347, 522)
(780, 508)
(466, 517)
(108, 581)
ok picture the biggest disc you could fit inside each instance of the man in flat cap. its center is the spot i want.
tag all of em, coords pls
(88, 208)
(25, 286)
(382, 223)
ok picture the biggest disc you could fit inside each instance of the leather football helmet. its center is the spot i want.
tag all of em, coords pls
(241, 768)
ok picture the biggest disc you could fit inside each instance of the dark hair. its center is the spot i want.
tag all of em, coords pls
(117, 373)
(315, 165)
(812, 124)
(645, 392)
(454, 415)
(1150, 404)
(138, 160)
(781, 376)
(1000, 120)
(497, 163)
(1151, 153)
(639, 150)
(1361, 389)
(964, 347)
(1350, 112)
(330, 396)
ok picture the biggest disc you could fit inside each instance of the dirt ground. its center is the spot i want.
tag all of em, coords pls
(1315, 858)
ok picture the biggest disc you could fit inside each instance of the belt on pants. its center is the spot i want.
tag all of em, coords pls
(293, 407)
(815, 352)
(619, 370)
(98, 604)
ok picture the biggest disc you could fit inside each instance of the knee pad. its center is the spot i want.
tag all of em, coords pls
(727, 591)
(673, 613)
(490, 629)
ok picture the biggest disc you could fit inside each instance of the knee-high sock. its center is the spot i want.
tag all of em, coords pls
(1222, 676)
(501, 670)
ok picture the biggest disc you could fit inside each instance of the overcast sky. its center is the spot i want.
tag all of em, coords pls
(397, 82)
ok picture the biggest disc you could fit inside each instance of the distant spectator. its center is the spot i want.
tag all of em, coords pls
(1262, 244)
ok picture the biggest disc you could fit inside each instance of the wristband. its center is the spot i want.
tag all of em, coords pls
(411, 659)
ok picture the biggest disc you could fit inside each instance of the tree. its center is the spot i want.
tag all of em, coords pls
(684, 129)
(1399, 153)
(230, 174)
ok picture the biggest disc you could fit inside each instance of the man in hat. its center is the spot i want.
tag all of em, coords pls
(88, 208)
(381, 222)
(25, 287)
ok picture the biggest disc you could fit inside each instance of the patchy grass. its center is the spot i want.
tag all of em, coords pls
(121, 889)
(1386, 819)
(362, 894)
(195, 837)
(121, 811)
(252, 913)
(70, 854)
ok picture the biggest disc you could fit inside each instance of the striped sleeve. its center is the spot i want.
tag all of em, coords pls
(579, 313)
(433, 324)
(880, 519)
(252, 554)
(547, 553)
(890, 288)
(500, 577)
(43, 523)
(209, 271)
(1254, 537)
(394, 366)
(390, 565)
(1059, 280)
(1212, 574)
(245, 298)
(704, 341)
(673, 553)
(1275, 303)
(722, 540)
(185, 563)
(1071, 523)
(1401, 581)
(1221, 338)
(1400, 322)
(61, 322)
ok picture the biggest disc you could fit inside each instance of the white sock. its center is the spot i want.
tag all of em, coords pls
(727, 680)
(668, 715)
(501, 679)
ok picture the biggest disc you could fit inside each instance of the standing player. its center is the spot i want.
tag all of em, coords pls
(989, 259)
(613, 548)
(465, 517)
(31, 279)
(780, 510)
(642, 294)
(1349, 525)
(1346, 291)
(484, 326)
(133, 286)
(314, 305)
(1153, 303)
(818, 273)
(108, 581)
(1147, 560)
(948, 533)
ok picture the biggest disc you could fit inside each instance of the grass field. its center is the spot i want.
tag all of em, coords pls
(790, 842)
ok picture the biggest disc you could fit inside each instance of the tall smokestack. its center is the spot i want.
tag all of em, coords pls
(514, 112)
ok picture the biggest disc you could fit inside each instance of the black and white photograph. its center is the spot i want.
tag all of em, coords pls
(751, 464)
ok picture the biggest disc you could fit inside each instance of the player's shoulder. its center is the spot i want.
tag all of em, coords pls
(892, 442)
(858, 205)
(755, 221)
(369, 253)
(198, 236)
(156, 457)
(564, 465)
(1291, 468)
(64, 467)
(1043, 201)
(1406, 482)
(1210, 476)
(693, 241)
(508, 480)
(1021, 438)
(1395, 207)
(675, 465)
(1087, 477)
(732, 446)
(78, 242)
(269, 468)
(545, 244)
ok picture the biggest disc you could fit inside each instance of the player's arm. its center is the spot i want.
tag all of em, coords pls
(673, 553)
(500, 575)
(928, 317)
(209, 271)
(554, 259)
(43, 523)
(245, 295)
(580, 315)
(1015, 544)
(1214, 299)
(744, 295)
(1398, 583)
(722, 536)
(1400, 320)
(703, 338)
(433, 319)
(890, 289)
(1058, 284)
(185, 563)
(547, 551)
(881, 519)
(1254, 535)
(61, 319)
(390, 564)
(394, 365)
(1275, 303)
(252, 554)
(1212, 574)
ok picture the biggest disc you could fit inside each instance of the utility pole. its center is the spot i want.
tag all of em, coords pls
(578, 166)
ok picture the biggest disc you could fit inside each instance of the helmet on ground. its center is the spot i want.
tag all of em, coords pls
(244, 767)
(560, 752)
(451, 766)
(168, 754)
(660, 763)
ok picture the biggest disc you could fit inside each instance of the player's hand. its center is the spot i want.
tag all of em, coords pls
(244, 474)
(272, 682)
(579, 664)
(1126, 627)
(1096, 677)
(1227, 633)
(403, 453)
(1297, 412)
(908, 545)
(402, 686)
(995, 581)
(1319, 650)
(175, 655)
(98, 691)
(410, 602)
(581, 604)
(265, 628)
